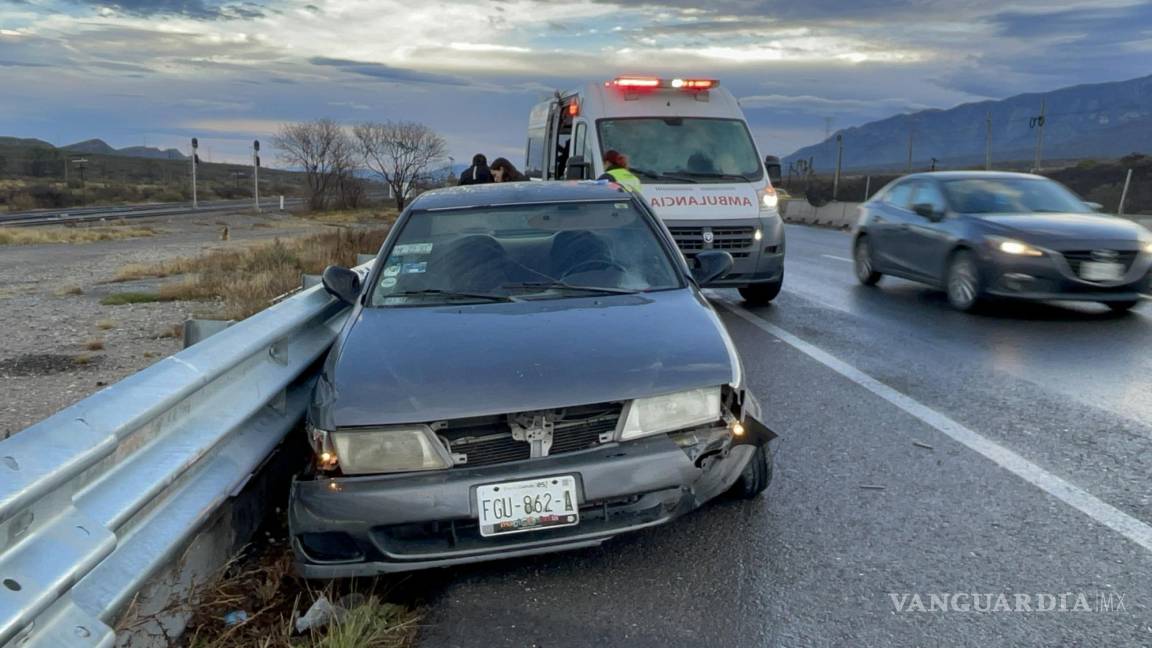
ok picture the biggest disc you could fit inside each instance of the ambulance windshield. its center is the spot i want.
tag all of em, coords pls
(684, 149)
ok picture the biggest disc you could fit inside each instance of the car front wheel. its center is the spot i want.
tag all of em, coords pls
(761, 293)
(963, 282)
(862, 262)
(756, 476)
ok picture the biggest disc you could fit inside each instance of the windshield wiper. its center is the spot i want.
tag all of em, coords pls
(452, 294)
(699, 174)
(550, 285)
(662, 176)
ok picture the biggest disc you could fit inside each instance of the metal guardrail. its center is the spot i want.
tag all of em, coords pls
(97, 498)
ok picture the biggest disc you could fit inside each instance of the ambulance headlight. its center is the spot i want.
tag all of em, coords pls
(769, 199)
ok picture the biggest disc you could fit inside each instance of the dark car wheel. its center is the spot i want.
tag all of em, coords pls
(963, 282)
(862, 262)
(756, 476)
(1122, 306)
(761, 293)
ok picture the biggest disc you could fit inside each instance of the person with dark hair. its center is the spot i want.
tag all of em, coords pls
(616, 170)
(478, 173)
(505, 171)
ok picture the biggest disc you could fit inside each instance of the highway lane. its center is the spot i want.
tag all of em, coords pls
(816, 562)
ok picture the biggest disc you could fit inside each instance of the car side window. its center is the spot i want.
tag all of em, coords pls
(928, 193)
(900, 196)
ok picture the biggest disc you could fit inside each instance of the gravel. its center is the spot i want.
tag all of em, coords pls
(59, 346)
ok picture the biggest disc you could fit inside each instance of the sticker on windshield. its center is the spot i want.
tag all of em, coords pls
(413, 248)
(395, 301)
(413, 268)
(388, 282)
(622, 205)
(392, 270)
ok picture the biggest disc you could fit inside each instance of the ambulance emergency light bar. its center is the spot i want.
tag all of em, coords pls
(655, 83)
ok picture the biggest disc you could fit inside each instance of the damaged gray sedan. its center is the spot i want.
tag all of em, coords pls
(528, 367)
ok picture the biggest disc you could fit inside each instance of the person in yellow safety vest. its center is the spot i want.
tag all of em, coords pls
(616, 170)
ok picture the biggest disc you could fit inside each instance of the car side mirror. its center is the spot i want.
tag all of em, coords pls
(341, 283)
(928, 211)
(772, 166)
(710, 265)
(1094, 206)
(577, 168)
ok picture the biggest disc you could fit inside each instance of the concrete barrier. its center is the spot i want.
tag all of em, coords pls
(834, 214)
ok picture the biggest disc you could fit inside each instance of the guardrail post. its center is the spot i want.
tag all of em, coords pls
(196, 330)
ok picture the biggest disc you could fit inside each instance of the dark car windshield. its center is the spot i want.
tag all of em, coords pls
(1011, 196)
(510, 253)
(684, 149)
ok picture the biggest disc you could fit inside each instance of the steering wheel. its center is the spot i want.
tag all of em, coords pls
(593, 264)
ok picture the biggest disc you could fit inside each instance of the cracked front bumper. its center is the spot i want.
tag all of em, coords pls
(361, 526)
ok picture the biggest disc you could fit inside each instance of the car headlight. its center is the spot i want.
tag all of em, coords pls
(1016, 248)
(769, 199)
(659, 414)
(399, 449)
(1147, 247)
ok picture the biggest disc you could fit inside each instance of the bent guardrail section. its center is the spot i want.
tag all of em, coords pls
(100, 496)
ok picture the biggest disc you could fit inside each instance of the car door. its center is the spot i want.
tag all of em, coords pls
(927, 239)
(890, 219)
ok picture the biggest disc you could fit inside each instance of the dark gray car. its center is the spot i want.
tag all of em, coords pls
(528, 367)
(1015, 235)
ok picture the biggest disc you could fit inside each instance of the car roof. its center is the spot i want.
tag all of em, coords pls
(960, 175)
(506, 193)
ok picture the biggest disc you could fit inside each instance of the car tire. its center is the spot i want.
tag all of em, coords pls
(962, 282)
(862, 262)
(761, 293)
(756, 476)
(1119, 307)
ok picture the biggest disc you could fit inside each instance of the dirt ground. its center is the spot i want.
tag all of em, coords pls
(59, 343)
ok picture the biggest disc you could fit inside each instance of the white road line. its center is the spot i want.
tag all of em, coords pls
(1069, 493)
(838, 258)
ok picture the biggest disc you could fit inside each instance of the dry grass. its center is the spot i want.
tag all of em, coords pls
(70, 290)
(82, 359)
(106, 324)
(121, 298)
(247, 279)
(273, 598)
(174, 331)
(374, 216)
(42, 235)
(95, 344)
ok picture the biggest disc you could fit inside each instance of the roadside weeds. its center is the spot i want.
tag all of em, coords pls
(74, 235)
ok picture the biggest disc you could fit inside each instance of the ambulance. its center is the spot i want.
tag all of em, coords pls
(689, 144)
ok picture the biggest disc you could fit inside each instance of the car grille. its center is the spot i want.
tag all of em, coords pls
(736, 240)
(489, 440)
(1076, 257)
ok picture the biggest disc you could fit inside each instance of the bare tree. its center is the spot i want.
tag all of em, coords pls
(399, 152)
(322, 150)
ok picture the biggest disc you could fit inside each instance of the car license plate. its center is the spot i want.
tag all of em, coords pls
(530, 505)
(1097, 271)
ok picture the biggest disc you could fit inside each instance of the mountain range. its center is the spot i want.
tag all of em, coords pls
(99, 146)
(1099, 120)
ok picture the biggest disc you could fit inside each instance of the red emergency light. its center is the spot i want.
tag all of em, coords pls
(573, 108)
(653, 83)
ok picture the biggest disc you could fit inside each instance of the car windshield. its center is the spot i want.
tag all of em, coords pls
(523, 252)
(1011, 196)
(683, 149)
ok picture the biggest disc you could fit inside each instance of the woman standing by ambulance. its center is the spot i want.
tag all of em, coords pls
(616, 170)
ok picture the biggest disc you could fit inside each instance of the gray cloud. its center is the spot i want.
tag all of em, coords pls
(387, 72)
(191, 8)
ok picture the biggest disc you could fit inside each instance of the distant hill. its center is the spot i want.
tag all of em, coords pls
(1101, 120)
(100, 147)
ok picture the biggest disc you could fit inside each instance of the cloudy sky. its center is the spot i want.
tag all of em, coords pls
(157, 72)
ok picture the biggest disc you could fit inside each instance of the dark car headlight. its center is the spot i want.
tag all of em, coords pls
(1014, 247)
(660, 414)
(405, 448)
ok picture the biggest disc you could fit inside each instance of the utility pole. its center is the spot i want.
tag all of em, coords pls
(911, 129)
(256, 173)
(839, 161)
(195, 161)
(1038, 124)
(988, 142)
(1124, 193)
(81, 164)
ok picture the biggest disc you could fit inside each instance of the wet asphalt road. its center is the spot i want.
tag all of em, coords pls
(817, 560)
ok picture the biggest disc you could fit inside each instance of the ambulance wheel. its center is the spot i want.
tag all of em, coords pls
(761, 293)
